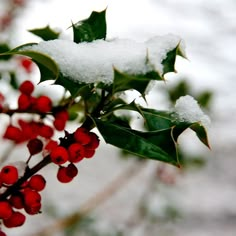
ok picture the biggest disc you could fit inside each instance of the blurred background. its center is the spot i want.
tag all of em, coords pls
(114, 194)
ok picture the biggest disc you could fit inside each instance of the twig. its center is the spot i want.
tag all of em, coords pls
(95, 201)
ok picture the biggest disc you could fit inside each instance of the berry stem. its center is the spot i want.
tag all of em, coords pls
(28, 173)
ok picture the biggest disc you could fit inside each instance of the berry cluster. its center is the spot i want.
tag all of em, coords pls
(26, 197)
(26, 102)
(20, 193)
(73, 149)
(42, 105)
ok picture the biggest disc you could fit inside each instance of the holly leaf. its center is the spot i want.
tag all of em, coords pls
(158, 120)
(200, 132)
(73, 87)
(123, 81)
(4, 48)
(135, 142)
(169, 62)
(47, 66)
(45, 33)
(91, 28)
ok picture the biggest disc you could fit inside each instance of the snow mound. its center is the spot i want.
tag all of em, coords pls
(187, 109)
(94, 61)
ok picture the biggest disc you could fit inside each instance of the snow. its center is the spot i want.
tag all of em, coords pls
(94, 61)
(187, 109)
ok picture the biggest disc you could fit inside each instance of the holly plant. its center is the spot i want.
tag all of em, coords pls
(96, 74)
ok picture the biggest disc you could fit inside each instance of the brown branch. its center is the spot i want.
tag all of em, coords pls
(28, 173)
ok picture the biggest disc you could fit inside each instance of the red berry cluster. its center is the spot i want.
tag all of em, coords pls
(26, 198)
(26, 102)
(20, 194)
(73, 149)
(42, 105)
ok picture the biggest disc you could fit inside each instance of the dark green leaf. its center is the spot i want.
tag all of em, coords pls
(47, 66)
(205, 99)
(91, 29)
(13, 81)
(169, 62)
(45, 33)
(200, 132)
(4, 48)
(133, 141)
(157, 120)
(181, 89)
(123, 82)
(73, 87)
(111, 106)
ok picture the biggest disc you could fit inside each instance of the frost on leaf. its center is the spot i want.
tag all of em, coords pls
(94, 61)
(188, 110)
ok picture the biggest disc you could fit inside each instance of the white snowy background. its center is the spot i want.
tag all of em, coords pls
(205, 198)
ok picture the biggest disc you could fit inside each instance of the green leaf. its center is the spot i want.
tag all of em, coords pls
(200, 132)
(13, 81)
(70, 85)
(169, 62)
(158, 120)
(4, 48)
(91, 29)
(45, 33)
(133, 141)
(123, 81)
(47, 66)
(119, 104)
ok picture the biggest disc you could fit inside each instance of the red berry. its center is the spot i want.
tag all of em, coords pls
(88, 153)
(35, 146)
(32, 210)
(59, 124)
(43, 104)
(5, 210)
(24, 102)
(51, 145)
(27, 87)
(13, 133)
(16, 219)
(16, 201)
(9, 174)
(61, 118)
(37, 182)
(82, 136)
(71, 170)
(2, 233)
(26, 63)
(46, 131)
(63, 176)
(94, 141)
(76, 152)
(31, 197)
(2, 98)
(28, 129)
(59, 155)
(63, 115)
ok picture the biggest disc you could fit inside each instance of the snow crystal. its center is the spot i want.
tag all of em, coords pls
(94, 61)
(187, 109)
